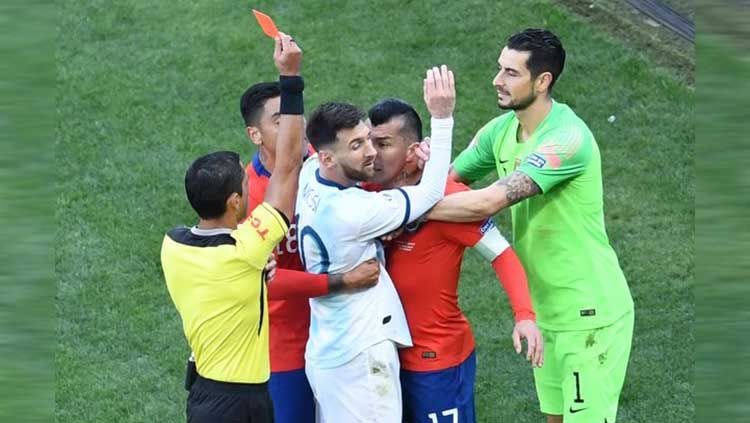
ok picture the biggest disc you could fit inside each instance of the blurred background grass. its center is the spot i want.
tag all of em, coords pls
(27, 122)
(722, 209)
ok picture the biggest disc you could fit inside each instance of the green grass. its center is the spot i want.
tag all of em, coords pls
(721, 231)
(625, 25)
(145, 87)
(27, 114)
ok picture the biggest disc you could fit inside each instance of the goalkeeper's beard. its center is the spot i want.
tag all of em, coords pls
(521, 104)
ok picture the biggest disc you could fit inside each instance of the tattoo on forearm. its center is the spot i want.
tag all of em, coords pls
(519, 186)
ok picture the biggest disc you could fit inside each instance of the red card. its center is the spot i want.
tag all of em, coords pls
(266, 24)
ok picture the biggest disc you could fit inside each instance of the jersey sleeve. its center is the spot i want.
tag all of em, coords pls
(258, 235)
(478, 159)
(560, 156)
(290, 284)
(466, 234)
(512, 276)
(379, 213)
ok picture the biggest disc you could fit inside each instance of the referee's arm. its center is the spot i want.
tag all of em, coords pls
(282, 186)
(268, 222)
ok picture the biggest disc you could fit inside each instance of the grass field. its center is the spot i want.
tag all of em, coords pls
(27, 116)
(145, 87)
(658, 44)
(721, 225)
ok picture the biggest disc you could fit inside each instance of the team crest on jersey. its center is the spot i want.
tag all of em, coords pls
(536, 160)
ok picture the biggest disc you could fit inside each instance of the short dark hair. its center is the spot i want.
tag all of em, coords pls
(385, 110)
(210, 180)
(547, 52)
(328, 119)
(254, 98)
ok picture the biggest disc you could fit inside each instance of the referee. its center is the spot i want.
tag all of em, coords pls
(214, 271)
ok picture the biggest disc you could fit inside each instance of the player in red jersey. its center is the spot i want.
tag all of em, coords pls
(291, 287)
(438, 372)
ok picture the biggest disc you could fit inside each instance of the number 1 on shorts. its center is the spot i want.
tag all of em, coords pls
(578, 399)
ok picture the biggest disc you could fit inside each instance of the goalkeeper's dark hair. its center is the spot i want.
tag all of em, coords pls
(210, 180)
(385, 110)
(328, 119)
(254, 98)
(546, 52)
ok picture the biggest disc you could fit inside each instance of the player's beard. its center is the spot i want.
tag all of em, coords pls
(363, 174)
(521, 104)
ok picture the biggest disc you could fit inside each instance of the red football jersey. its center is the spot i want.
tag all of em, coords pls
(289, 320)
(424, 264)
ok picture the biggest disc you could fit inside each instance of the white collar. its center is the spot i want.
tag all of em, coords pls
(210, 232)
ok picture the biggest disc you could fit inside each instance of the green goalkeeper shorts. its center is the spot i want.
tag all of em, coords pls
(584, 371)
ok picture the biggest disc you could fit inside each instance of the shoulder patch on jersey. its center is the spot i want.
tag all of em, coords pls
(536, 160)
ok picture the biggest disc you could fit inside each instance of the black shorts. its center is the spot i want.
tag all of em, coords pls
(210, 401)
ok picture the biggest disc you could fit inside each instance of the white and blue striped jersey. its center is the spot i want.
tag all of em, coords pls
(338, 230)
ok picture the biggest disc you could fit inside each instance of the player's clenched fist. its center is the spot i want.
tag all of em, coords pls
(363, 276)
(440, 92)
(287, 55)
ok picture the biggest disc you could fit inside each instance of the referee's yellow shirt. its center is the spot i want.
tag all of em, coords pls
(215, 278)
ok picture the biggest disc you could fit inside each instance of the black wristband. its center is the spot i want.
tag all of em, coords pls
(335, 283)
(292, 102)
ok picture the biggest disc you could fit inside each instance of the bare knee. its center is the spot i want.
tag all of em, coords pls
(554, 419)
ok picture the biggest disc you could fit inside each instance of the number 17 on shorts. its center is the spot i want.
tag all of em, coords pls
(452, 414)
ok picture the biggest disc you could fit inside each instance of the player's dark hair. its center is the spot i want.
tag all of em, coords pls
(210, 180)
(546, 52)
(328, 119)
(254, 98)
(385, 110)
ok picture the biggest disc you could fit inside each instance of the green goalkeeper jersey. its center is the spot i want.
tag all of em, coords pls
(575, 279)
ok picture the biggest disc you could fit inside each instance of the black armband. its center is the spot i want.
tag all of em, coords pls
(291, 95)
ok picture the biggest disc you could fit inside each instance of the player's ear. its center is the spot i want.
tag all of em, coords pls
(254, 134)
(411, 152)
(233, 202)
(326, 158)
(543, 82)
